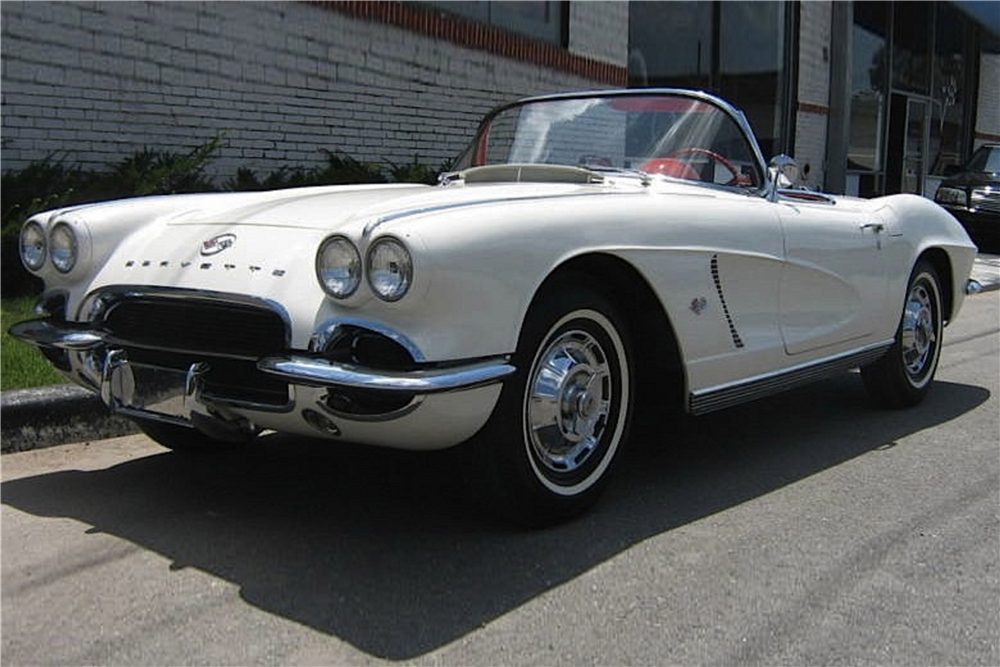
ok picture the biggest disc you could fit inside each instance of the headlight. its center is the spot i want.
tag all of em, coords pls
(953, 196)
(33, 248)
(338, 267)
(63, 247)
(390, 269)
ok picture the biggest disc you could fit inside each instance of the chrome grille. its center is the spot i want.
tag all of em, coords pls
(986, 200)
(177, 331)
(222, 329)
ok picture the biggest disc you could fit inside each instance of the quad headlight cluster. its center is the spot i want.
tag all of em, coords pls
(387, 267)
(60, 246)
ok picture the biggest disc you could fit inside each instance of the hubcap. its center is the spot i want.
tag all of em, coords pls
(919, 334)
(569, 401)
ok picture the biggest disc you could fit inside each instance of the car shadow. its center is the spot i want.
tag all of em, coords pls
(382, 548)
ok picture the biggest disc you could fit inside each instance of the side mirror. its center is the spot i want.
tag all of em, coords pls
(784, 173)
(785, 170)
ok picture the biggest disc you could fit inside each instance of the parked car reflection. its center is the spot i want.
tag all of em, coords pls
(973, 196)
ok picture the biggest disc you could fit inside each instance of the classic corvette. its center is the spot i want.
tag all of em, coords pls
(589, 250)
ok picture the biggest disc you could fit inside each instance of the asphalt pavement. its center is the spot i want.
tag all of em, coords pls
(807, 528)
(49, 416)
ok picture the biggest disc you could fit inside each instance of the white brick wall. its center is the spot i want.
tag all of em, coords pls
(91, 82)
(814, 90)
(988, 113)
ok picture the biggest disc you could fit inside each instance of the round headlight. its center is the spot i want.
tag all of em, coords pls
(33, 246)
(63, 247)
(338, 267)
(390, 269)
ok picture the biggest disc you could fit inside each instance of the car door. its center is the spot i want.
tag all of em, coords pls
(833, 286)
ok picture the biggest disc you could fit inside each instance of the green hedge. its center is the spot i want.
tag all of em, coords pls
(52, 184)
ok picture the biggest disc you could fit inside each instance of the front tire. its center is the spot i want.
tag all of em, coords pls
(548, 450)
(904, 375)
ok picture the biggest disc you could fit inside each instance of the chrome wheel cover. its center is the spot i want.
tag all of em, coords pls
(572, 417)
(919, 331)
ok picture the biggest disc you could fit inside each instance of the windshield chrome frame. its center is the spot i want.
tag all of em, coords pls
(766, 189)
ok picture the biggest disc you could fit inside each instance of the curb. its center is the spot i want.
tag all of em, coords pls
(50, 416)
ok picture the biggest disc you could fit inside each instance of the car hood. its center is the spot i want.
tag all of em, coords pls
(263, 243)
(971, 179)
(331, 208)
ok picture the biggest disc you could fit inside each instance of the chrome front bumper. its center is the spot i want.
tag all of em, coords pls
(464, 393)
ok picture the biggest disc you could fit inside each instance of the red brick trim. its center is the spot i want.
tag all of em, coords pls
(986, 136)
(809, 107)
(455, 29)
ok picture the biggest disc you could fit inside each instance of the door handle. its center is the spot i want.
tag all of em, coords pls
(876, 227)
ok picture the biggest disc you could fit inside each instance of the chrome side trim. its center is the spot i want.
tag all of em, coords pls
(322, 373)
(726, 396)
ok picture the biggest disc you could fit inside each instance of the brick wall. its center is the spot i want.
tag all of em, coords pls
(91, 82)
(814, 90)
(988, 112)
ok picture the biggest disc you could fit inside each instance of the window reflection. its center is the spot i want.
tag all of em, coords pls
(734, 48)
(911, 46)
(868, 81)
(950, 90)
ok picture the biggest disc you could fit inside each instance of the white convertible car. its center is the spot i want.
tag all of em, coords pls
(588, 250)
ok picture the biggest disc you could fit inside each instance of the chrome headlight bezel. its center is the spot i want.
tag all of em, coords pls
(338, 266)
(64, 247)
(389, 268)
(34, 248)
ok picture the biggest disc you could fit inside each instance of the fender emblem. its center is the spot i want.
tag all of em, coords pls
(698, 305)
(217, 244)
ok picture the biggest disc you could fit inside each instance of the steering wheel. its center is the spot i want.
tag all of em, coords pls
(684, 152)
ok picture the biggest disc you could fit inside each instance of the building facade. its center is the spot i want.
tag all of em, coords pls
(871, 97)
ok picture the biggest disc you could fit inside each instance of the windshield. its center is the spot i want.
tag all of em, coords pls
(667, 134)
(986, 159)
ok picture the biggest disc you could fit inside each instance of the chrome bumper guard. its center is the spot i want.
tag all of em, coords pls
(323, 373)
(174, 395)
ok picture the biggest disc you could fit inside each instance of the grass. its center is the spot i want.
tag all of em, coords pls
(21, 365)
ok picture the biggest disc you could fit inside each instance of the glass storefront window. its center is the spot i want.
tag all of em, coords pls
(751, 65)
(868, 86)
(538, 19)
(736, 49)
(911, 46)
(670, 44)
(949, 90)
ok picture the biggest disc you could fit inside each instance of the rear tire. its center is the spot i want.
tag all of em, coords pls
(905, 374)
(547, 452)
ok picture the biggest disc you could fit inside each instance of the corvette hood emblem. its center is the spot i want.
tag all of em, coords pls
(217, 244)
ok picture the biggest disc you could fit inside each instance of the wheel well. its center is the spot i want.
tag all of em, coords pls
(656, 356)
(942, 265)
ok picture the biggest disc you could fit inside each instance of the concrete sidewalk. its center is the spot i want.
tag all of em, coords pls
(55, 415)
